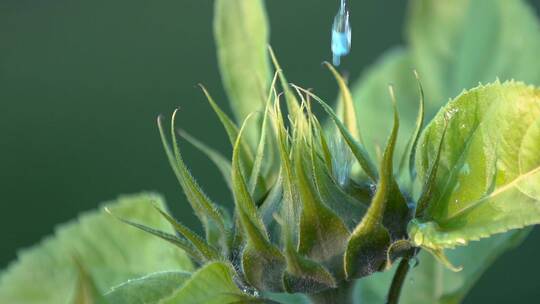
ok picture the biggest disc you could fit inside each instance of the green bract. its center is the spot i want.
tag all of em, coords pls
(321, 208)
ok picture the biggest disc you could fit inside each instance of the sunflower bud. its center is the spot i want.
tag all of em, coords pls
(304, 221)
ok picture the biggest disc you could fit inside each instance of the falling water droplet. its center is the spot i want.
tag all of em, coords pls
(341, 34)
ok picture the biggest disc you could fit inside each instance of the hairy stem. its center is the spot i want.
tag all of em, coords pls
(398, 280)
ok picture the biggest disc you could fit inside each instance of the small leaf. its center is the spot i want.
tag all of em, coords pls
(396, 250)
(246, 155)
(370, 95)
(228, 124)
(356, 148)
(327, 156)
(211, 284)
(150, 289)
(397, 213)
(111, 251)
(443, 259)
(408, 156)
(307, 276)
(232, 132)
(480, 188)
(430, 282)
(333, 193)
(244, 202)
(262, 262)
(205, 209)
(263, 269)
(272, 202)
(86, 291)
(323, 235)
(241, 34)
(349, 209)
(292, 103)
(369, 240)
(222, 163)
(206, 250)
(456, 44)
(365, 252)
(181, 243)
(302, 274)
(349, 112)
(256, 188)
(291, 210)
(429, 185)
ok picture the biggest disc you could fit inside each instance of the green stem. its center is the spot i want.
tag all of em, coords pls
(398, 280)
(343, 294)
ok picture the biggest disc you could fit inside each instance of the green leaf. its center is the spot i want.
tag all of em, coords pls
(456, 44)
(429, 180)
(86, 291)
(211, 284)
(488, 178)
(371, 96)
(149, 289)
(241, 34)
(430, 282)
(111, 251)
(453, 45)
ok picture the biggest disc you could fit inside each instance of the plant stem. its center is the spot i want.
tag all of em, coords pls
(341, 295)
(398, 280)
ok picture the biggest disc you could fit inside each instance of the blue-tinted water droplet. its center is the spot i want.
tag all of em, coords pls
(341, 34)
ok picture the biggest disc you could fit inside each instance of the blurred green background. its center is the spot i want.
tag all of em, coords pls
(81, 83)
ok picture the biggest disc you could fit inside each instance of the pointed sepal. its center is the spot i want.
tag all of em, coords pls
(262, 263)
